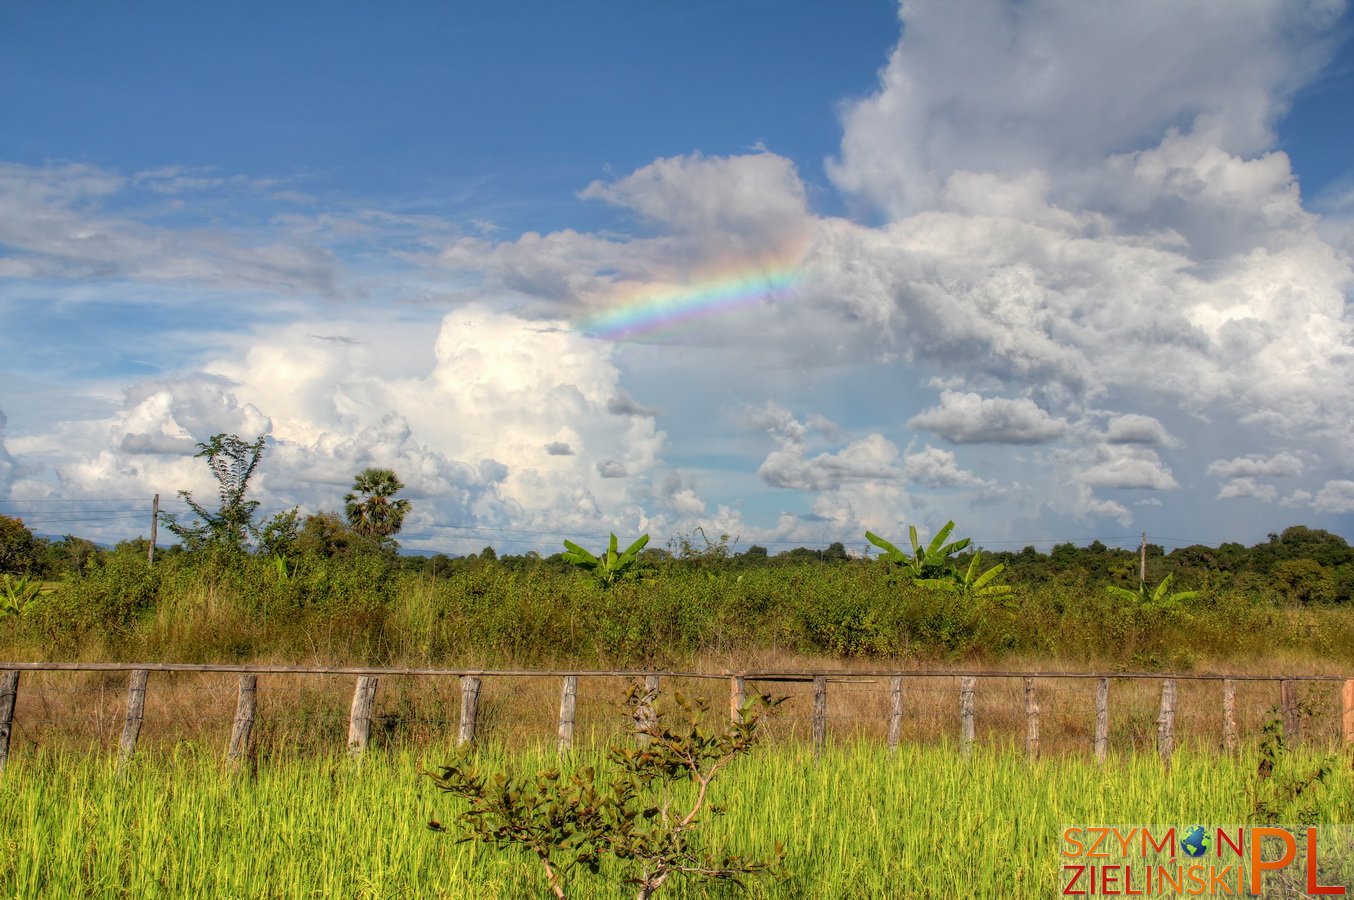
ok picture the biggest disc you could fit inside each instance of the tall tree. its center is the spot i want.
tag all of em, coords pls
(232, 461)
(19, 549)
(371, 508)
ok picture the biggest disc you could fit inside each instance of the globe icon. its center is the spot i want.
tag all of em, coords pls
(1196, 842)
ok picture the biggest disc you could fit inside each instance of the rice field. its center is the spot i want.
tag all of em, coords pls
(856, 822)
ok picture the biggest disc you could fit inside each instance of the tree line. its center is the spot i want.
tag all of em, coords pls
(1302, 564)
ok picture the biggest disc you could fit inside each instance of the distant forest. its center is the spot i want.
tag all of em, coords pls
(1301, 564)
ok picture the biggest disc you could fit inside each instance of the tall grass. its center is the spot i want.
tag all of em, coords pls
(855, 823)
(366, 609)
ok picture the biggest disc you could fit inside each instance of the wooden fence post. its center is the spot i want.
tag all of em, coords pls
(470, 709)
(819, 713)
(243, 725)
(1346, 712)
(645, 717)
(136, 705)
(966, 714)
(568, 703)
(1292, 724)
(1229, 715)
(1102, 719)
(737, 693)
(359, 717)
(1166, 721)
(1031, 720)
(9, 698)
(895, 711)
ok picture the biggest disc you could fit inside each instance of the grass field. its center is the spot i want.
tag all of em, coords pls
(859, 822)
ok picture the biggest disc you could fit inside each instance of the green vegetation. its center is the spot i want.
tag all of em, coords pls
(611, 566)
(345, 599)
(858, 823)
(1160, 597)
(639, 816)
(936, 565)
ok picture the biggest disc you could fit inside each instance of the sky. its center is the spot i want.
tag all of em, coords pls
(783, 271)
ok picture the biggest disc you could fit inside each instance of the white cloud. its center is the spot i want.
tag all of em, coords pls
(1281, 465)
(992, 87)
(938, 468)
(1129, 468)
(1238, 488)
(872, 458)
(508, 424)
(968, 418)
(1336, 496)
(751, 196)
(1137, 429)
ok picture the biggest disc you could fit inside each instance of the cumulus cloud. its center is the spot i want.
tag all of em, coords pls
(1336, 496)
(1129, 468)
(1281, 465)
(968, 418)
(933, 467)
(1238, 488)
(1137, 429)
(1088, 505)
(463, 422)
(873, 458)
(752, 196)
(994, 88)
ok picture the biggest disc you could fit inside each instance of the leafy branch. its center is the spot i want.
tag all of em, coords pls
(573, 821)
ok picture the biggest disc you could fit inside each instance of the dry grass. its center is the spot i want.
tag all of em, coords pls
(309, 713)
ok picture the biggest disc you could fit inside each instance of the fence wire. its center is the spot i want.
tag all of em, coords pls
(309, 712)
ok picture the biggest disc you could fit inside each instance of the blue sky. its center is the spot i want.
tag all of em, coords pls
(1060, 273)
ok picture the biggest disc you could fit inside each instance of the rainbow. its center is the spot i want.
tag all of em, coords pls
(651, 308)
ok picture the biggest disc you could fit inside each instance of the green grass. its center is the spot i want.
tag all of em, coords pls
(367, 609)
(859, 822)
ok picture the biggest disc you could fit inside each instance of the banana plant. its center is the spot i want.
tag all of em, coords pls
(930, 562)
(1161, 597)
(972, 583)
(612, 565)
(17, 592)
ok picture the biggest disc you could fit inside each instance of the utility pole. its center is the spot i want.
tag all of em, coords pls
(154, 523)
(1142, 569)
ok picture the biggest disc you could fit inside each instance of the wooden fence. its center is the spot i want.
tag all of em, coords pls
(367, 681)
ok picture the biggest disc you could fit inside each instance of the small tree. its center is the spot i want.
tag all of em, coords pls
(635, 817)
(232, 461)
(371, 508)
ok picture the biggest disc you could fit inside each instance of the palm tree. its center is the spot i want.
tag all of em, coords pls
(371, 509)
